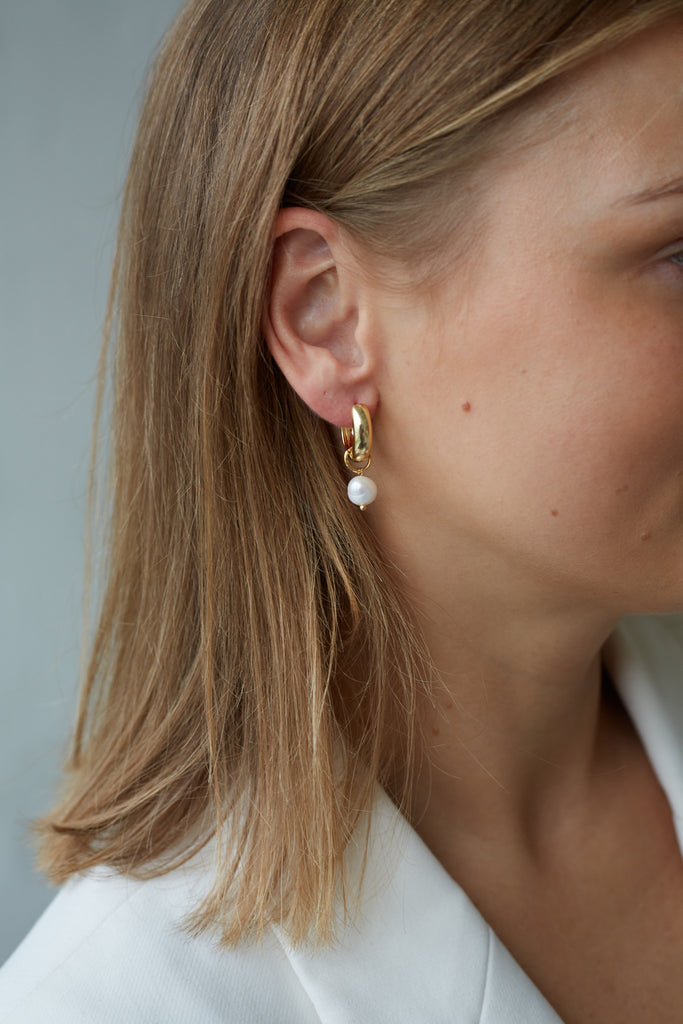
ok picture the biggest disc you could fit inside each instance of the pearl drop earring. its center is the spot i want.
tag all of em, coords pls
(357, 457)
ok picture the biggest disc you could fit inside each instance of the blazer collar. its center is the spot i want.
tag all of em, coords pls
(645, 659)
(419, 949)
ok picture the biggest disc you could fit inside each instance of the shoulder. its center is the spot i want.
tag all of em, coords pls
(112, 949)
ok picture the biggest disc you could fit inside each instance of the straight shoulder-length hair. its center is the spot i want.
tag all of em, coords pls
(252, 670)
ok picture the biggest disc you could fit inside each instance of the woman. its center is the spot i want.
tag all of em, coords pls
(404, 759)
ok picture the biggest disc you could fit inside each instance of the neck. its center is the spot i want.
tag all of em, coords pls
(518, 727)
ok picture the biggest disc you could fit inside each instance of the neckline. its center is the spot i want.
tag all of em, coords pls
(419, 947)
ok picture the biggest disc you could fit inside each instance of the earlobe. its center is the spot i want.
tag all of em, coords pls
(311, 321)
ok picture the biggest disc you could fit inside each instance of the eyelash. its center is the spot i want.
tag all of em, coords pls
(677, 259)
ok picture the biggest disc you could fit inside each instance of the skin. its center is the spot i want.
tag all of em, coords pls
(528, 453)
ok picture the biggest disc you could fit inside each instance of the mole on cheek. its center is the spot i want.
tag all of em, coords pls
(646, 535)
(466, 407)
(554, 512)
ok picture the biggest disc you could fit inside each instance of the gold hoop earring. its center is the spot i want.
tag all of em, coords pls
(358, 457)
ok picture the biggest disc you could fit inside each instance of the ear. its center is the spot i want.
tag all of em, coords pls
(315, 322)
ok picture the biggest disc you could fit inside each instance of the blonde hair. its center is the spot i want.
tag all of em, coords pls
(254, 661)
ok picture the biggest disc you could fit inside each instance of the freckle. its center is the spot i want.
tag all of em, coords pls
(449, 705)
(622, 490)
(466, 407)
(646, 535)
(554, 512)
(435, 731)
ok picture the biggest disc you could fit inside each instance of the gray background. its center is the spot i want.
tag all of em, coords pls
(70, 86)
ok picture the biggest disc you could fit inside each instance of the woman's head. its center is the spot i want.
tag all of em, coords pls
(252, 629)
(529, 441)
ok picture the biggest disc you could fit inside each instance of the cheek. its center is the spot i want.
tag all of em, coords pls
(564, 424)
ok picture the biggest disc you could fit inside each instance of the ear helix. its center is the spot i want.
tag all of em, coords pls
(358, 457)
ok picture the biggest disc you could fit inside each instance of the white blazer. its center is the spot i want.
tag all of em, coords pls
(110, 950)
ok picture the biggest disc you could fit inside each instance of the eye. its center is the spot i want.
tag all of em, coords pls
(677, 258)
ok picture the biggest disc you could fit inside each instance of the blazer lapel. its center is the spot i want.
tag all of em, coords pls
(418, 950)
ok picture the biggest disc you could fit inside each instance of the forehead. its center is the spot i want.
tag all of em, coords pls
(607, 130)
(623, 123)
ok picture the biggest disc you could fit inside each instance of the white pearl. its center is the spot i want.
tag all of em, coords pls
(362, 490)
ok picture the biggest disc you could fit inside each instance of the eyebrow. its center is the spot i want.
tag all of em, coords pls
(667, 188)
